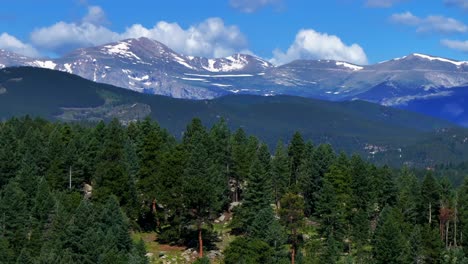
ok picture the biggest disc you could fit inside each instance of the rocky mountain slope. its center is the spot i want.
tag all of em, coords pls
(149, 66)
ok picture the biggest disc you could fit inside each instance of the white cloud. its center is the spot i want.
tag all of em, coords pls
(250, 6)
(64, 36)
(431, 23)
(456, 44)
(310, 44)
(381, 3)
(459, 3)
(10, 43)
(95, 16)
(211, 38)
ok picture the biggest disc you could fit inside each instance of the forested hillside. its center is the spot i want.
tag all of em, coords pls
(75, 193)
(381, 134)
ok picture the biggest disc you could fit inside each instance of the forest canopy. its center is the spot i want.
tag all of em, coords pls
(74, 193)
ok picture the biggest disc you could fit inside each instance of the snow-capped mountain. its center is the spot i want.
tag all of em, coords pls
(149, 66)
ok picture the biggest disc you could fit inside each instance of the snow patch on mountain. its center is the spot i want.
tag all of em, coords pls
(194, 79)
(139, 79)
(182, 61)
(44, 64)
(221, 85)
(427, 57)
(68, 67)
(232, 63)
(349, 66)
(121, 49)
(220, 75)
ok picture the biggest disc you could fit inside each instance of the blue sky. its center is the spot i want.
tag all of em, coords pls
(358, 31)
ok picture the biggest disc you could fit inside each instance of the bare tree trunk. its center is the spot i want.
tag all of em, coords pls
(447, 233)
(293, 255)
(455, 228)
(430, 213)
(200, 241)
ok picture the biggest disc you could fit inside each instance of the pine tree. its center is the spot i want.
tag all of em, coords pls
(387, 191)
(279, 172)
(390, 244)
(112, 177)
(267, 228)
(14, 216)
(331, 214)
(292, 217)
(220, 154)
(295, 153)
(409, 196)
(257, 197)
(430, 197)
(240, 163)
(9, 160)
(310, 181)
(199, 187)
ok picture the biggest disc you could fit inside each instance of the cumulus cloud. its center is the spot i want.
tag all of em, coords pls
(211, 38)
(382, 3)
(310, 44)
(458, 3)
(456, 44)
(250, 6)
(10, 43)
(63, 36)
(95, 15)
(431, 23)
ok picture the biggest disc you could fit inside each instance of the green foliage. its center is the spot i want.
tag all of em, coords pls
(390, 244)
(347, 126)
(303, 202)
(248, 251)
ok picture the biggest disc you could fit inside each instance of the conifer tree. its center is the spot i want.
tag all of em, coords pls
(9, 159)
(279, 172)
(292, 217)
(430, 197)
(310, 181)
(240, 163)
(112, 177)
(199, 187)
(257, 197)
(409, 196)
(295, 153)
(390, 244)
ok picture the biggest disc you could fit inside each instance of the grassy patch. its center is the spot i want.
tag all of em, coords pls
(172, 254)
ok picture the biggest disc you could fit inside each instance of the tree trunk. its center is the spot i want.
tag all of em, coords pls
(154, 209)
(447, 233)
(455, 226)
(430, 213)
(293, 254)
(200, 241)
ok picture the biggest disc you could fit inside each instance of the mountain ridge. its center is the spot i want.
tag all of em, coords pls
(148, 66)
(374, 131)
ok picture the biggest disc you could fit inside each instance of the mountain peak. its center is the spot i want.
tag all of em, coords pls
(435, 58)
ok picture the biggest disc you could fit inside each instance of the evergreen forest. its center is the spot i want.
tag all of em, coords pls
(79, 192)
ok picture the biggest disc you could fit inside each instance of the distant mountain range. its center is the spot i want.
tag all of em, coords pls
(379, 133)
(412, 82)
